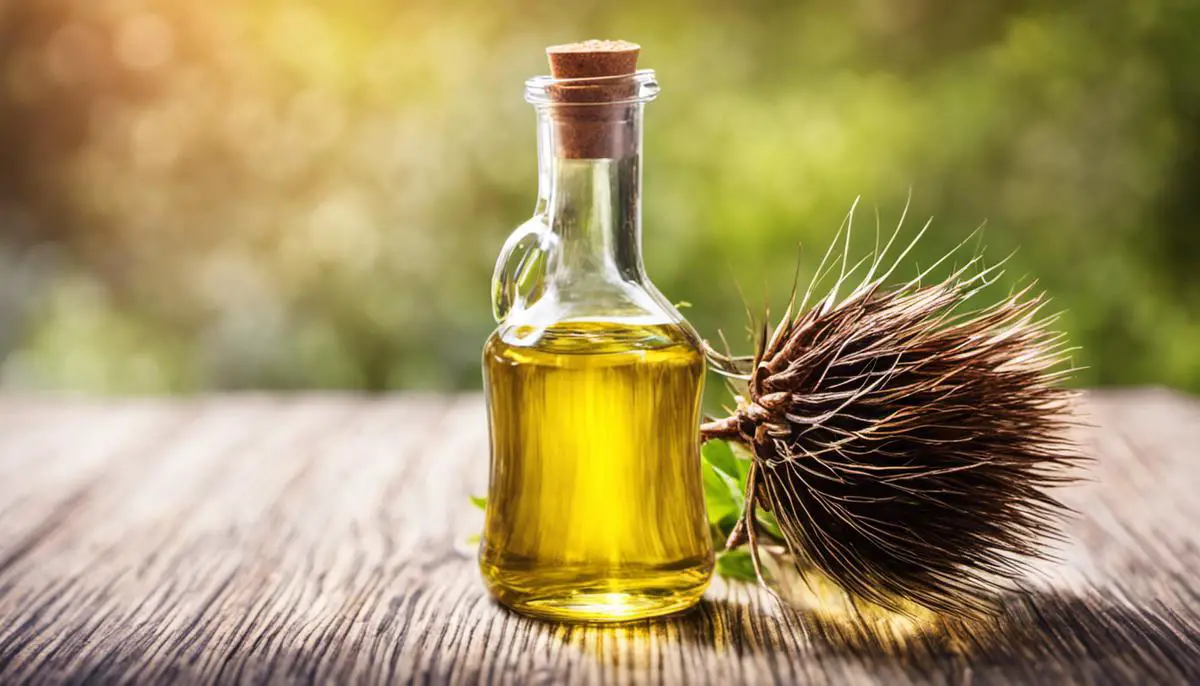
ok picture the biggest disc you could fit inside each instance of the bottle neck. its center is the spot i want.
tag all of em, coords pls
(592, 204)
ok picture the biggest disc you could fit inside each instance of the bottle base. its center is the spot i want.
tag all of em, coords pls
(611, 600)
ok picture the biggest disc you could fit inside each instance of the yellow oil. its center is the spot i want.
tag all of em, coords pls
(595, 509)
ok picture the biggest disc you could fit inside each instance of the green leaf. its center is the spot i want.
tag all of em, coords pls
(479, 501)
(720, 455)
(736, 564)
(721, 495)
(742, 460)
(767, 521)
(725, 527)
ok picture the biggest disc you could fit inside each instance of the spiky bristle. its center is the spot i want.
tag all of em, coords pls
(905, 446)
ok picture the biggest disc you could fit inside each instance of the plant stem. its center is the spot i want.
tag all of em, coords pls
(726, 428)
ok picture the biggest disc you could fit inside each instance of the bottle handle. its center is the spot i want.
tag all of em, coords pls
(519, 277)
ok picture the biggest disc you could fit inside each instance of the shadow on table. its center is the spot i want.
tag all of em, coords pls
(1042, 638)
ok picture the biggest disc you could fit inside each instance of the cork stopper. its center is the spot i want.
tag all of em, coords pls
(586, 126)
(593, 58)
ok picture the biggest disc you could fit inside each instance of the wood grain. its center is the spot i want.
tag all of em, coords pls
(321, 539)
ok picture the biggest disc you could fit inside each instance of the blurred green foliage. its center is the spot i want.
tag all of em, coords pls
(311, 194)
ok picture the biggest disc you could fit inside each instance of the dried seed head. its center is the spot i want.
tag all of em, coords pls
(904, 446)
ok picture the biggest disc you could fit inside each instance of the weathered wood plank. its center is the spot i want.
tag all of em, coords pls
(320, 538)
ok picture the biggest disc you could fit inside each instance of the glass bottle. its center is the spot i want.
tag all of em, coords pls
(595, 506)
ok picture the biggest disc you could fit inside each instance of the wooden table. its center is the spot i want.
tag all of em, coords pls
(321, 538)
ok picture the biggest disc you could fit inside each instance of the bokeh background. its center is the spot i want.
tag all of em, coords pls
(291, 194)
